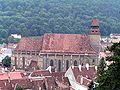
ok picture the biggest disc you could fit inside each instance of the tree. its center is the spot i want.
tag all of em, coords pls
(110, 79)
(101, 67)
(19, 88)
(11, 39)
(91, 86)
(6, 61)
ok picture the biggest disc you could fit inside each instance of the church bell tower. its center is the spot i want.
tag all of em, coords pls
(94, 34)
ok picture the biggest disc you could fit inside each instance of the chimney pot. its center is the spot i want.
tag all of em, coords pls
(80, 67)
(87, 66)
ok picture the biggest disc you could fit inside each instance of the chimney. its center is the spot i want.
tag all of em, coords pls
(96, 68)
(87, 66)
(72, 67)
(81, 80)
(49, 69)
(3, 70)
(80, 67)
(14, 68)
(5, 84)
(95, 24)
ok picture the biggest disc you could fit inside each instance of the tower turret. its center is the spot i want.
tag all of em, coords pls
(94, 34)
(95, 27)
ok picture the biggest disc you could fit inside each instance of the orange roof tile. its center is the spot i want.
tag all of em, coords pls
(3, 76)
(71, 43)
(59, 43)
(84, 76)
(11, 75)
(40, 73)
(29, 44)
(91, 73)
(95, 22)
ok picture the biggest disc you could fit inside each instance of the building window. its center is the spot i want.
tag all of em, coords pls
(23, 59)
(28, 53)
(15, 61)
(33, 53)
(51, 63)
(67, 64)
(59, 65)
(93, 62)
(75, 63)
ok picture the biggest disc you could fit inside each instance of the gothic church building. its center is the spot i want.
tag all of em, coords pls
(59, 50)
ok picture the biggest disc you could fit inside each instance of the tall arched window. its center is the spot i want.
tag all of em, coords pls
(15, 61)
(23, 59)
(67, 64)
(51, 62)
(93, 62)
(75, 63)
(59, 65)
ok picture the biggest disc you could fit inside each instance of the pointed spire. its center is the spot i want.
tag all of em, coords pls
(95, 27)
(95, 23)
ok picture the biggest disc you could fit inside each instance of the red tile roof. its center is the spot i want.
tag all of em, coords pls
(57, 43)
(5, 85)
(50, 83)
(11, 75)
(40, 73)
(58, 75)
(74, 43)
(89, 74)
(84, 76)
(22, 82)
(62, 86)
(29, 44)
(85, 81)
(95, 22)
(3, 76)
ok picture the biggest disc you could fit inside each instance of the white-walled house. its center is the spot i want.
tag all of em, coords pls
(80, 77)
(5, 52)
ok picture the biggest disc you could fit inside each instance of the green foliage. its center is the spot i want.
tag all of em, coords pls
(6, 61)
(110, 78)
(101, 67)
(36, 17)
(11, 39)
(19, 88)
(91, 86)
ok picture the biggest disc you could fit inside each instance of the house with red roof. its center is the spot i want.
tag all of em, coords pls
(80, 77)
(37, 80)
(59, 50)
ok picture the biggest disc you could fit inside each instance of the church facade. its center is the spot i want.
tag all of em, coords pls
(59, 50)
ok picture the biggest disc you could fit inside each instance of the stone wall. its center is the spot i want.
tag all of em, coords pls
(64, 61)
(60, 62)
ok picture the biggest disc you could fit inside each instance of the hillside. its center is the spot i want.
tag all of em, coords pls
(36, 17)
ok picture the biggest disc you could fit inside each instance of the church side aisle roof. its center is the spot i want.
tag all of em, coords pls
(29, 44)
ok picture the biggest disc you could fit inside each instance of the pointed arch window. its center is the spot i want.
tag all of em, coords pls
(59, 65)
(75, 63)
(51, 62)
(23, 60)
(67, 64)
(15, 61)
